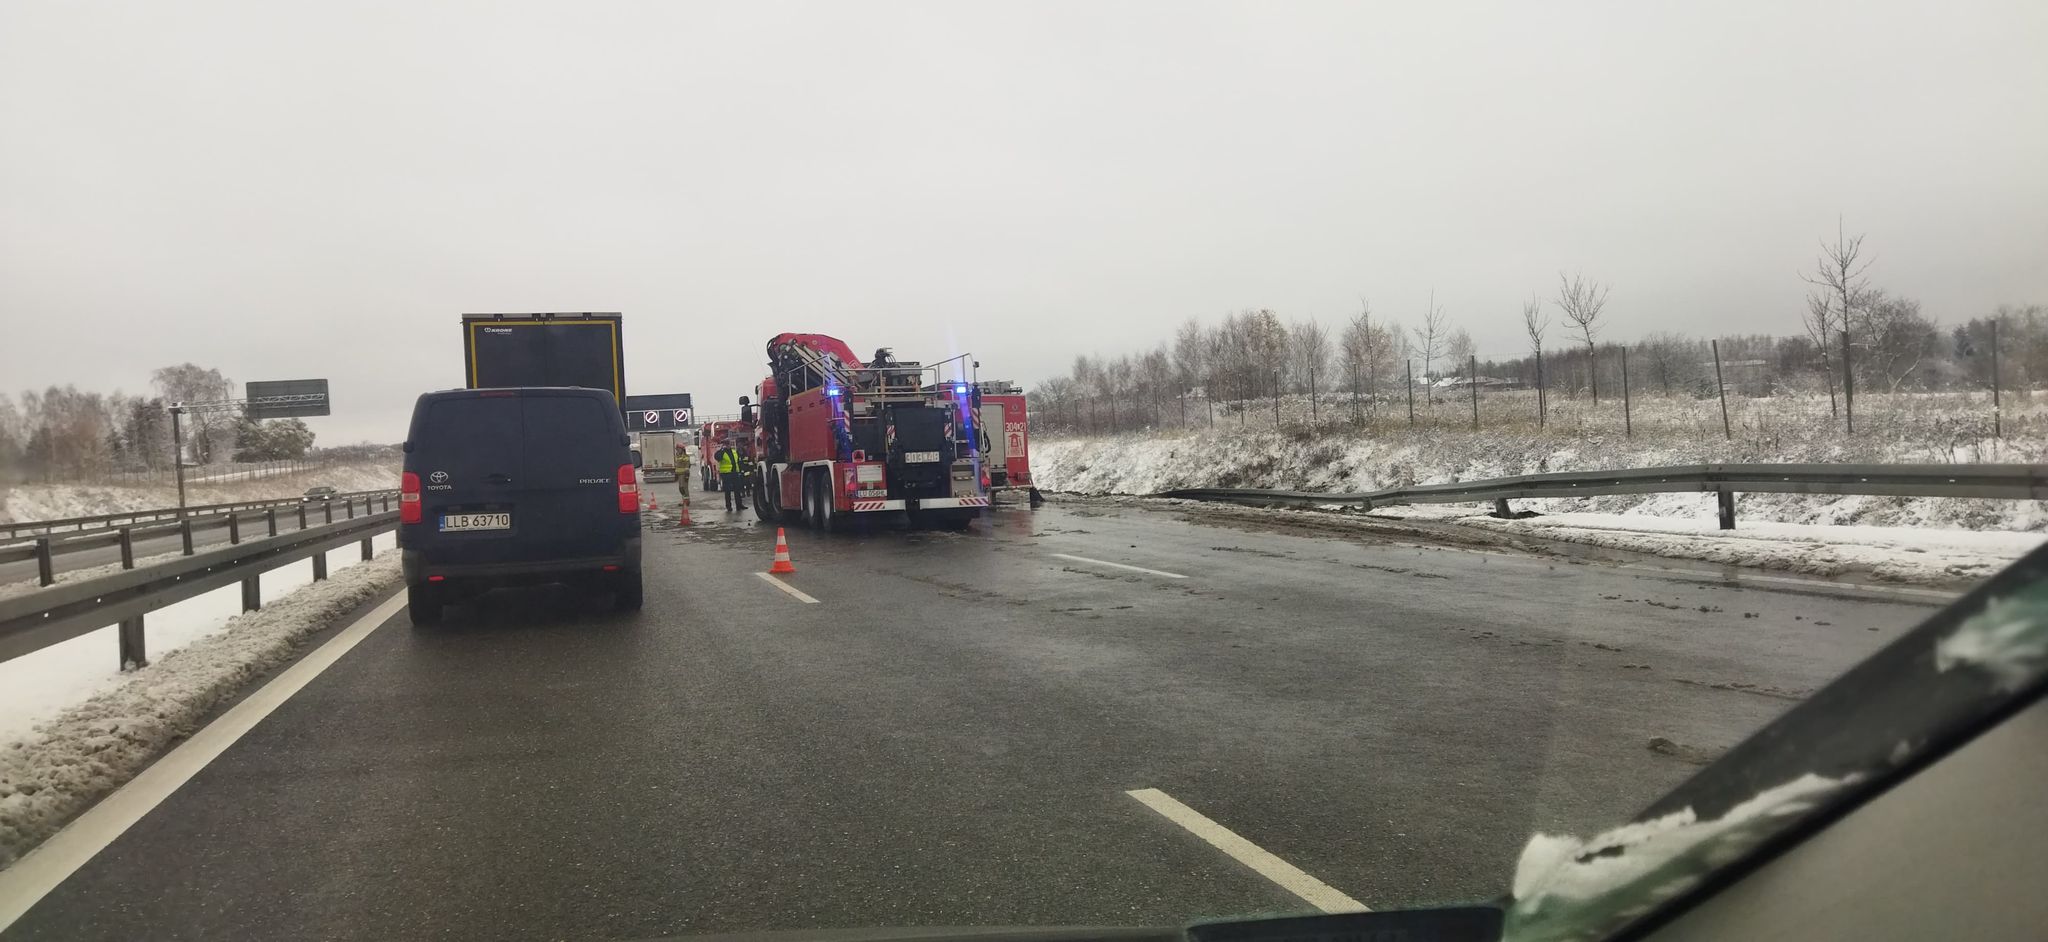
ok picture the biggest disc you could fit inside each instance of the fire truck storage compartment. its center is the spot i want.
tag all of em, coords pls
(921, 454)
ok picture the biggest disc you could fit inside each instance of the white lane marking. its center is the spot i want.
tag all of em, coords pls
(1104, 562)
(1290, 877)
(42, 869)
(786, 587)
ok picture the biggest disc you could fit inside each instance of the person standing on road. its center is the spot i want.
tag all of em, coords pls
(728, 459)
(744, 480)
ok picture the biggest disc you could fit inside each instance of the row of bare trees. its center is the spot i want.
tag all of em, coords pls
(1852, 331)
(67, 434)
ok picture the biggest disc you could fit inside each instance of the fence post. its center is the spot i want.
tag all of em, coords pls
(1628, 425)
(1276, 400)
(1409, 365)
(1313, 417)
(185, 534)
(1542, 394)
(1848, 387)
(46, 571)
(1997, 408)
(1472, 377)
(1721, 386)
(252, 592)
(319, 566)
(127, 548)
(133, 653)
(1726, 498)
(368, 551)
(270, 517)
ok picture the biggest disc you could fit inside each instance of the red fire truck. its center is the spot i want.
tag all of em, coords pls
(715, 434)
(1006, 444)
(843, 440)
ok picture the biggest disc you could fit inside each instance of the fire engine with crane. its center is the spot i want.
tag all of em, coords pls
(844, 441)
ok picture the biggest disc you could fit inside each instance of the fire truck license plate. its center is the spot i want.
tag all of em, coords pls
(476, 522)
(920, 457)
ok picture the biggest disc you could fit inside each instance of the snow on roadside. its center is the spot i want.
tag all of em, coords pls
(90, 749)
(41, 684)
(58, 501)
(1932, 557)
(1139, 464)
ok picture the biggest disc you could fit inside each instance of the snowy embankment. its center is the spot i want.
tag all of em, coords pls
(56, 501)
(1929, 541)
(95, 727)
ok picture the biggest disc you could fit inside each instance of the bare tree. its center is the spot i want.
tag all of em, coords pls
(1155, 374)
(209, 434)
(1536, 323)
(1355, 349)
(1190, 360)
(1088, 380)
(1582, 302)
(1308, 353)
(1460, 348)
(1839, 274)
(1429, 340)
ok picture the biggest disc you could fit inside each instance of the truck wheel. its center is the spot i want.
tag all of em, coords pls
(814, 513)
(423, 604)
(830, 519)
(766, 508)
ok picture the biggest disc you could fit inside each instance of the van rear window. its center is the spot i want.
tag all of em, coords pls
(570, 437)
(470, 428)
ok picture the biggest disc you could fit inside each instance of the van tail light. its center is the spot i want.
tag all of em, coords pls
(408, 498)
(629, 490)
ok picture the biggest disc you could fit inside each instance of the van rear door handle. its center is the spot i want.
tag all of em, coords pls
(498, 478)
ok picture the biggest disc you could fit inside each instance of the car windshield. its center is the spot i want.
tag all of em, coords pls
(631, 470)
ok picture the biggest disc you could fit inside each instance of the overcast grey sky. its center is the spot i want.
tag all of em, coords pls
(286, 189)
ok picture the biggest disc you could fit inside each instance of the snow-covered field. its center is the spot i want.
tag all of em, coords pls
(72, 727)
(55, 501)
(1926, 541)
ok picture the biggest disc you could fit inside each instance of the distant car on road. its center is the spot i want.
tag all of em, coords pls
(317, 493)
(518, 486)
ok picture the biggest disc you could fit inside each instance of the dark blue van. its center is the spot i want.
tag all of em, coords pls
(517, 486)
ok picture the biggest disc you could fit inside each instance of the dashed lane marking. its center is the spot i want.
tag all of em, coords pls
(1290, 877)
(1104, 562)
(786, 587)
(41, 870)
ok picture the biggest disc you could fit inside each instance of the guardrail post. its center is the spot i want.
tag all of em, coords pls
(185, 533)
(252, 591)
(133, 655)
(351, 502)
(368, 550)
(1726, 498)
(387, 503)
(327, 507)
(46, 572)
(319, 566)
(302, 516)
(234, 528)
(127, 548)
(270, 517)
(1501, 510)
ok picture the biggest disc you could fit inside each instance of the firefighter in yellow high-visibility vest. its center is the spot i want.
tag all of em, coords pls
(728, 459)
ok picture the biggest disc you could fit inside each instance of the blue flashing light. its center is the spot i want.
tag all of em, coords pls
(960, 389)
(831, 390)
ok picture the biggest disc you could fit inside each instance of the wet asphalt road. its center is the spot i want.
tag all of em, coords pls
(948, 736)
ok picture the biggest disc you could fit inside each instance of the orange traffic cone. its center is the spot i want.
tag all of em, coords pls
(684, 520)
(782, 563)
(653, 502)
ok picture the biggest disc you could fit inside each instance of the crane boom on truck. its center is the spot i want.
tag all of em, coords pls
(841, 440)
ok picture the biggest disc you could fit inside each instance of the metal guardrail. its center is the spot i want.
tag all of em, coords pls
(1998, 481)
(48, 550)
(10, 531)
(47, 616)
